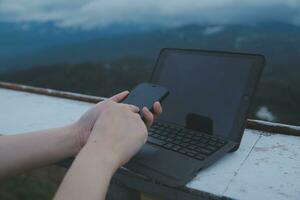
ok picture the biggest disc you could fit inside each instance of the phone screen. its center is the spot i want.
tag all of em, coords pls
(145, 95)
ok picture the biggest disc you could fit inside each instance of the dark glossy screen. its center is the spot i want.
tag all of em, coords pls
(205, 90)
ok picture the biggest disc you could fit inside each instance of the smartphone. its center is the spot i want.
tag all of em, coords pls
(145, 94)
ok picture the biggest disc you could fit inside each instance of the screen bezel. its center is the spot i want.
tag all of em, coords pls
(237, 130)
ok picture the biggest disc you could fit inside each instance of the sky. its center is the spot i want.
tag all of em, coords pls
(89, 14)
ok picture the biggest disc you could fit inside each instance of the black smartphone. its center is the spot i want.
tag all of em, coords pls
(145, 94)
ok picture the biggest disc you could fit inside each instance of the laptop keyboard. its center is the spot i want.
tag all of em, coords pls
(185, 141)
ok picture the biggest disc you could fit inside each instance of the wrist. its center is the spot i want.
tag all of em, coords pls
(72, 132)
(102, 153)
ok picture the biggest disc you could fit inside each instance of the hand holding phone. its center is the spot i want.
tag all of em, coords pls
(145, 94)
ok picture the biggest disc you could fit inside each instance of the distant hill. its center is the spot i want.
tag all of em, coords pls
(22, 38)
(76, 48)
(99, 78)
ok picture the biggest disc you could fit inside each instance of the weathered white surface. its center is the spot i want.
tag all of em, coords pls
(272, 170)
(265, 166)
(218, 177)
(22, 112)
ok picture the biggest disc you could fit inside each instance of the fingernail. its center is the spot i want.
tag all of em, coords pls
(135, 107)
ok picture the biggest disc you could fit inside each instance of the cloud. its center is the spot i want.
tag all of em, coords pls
(88, 14)
(212, 30)
(265, 114)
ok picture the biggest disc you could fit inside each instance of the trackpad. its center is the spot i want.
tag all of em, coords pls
(163, 161)
(146, 151)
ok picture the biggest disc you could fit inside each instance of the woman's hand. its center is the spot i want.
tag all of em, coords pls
(83, 127)
(118, 133)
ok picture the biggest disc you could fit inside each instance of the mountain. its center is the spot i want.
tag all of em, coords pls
(60, 45)
(279, 42)
(69, 63)
(19, 41)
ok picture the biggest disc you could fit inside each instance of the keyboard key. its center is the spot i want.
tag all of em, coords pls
(150, 132)
(183, 151)
(162, 137)
(194, 142)
(168, 145)
(203, 140)
(206, 136)
(180, 133)
(167, 125)
(191, 153)
(200, 157)
(177, 128)
(219, 144)
(176, 142)
(204, 151)
(193, 133)
(186, 139)
(154, 126)
(164, 133)
(176, 147)
(184, 144)
(156, 141)
(192, 147)
(170, 139)
(178, 138)
(196, 138)
(213, 148)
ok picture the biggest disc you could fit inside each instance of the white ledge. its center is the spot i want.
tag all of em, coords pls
(266, 166)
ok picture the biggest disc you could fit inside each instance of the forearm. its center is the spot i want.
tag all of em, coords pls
(116, 136)
(89, 175)
(19, 153)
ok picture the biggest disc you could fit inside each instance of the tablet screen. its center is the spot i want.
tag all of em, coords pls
(205, 89)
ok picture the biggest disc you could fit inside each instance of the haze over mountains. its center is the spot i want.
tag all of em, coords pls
(46, 46)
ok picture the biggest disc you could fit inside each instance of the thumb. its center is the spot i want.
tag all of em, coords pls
(120, 96)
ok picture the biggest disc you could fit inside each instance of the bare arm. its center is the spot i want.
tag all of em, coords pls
(19, 153)
(89, 175)
(115, 137)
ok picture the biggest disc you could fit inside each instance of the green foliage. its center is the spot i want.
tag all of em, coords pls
(26, 188)
(102, 79)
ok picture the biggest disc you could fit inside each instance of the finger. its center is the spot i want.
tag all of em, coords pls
(133, 108)
(157, 109)
(120, 96)
(148, 117)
